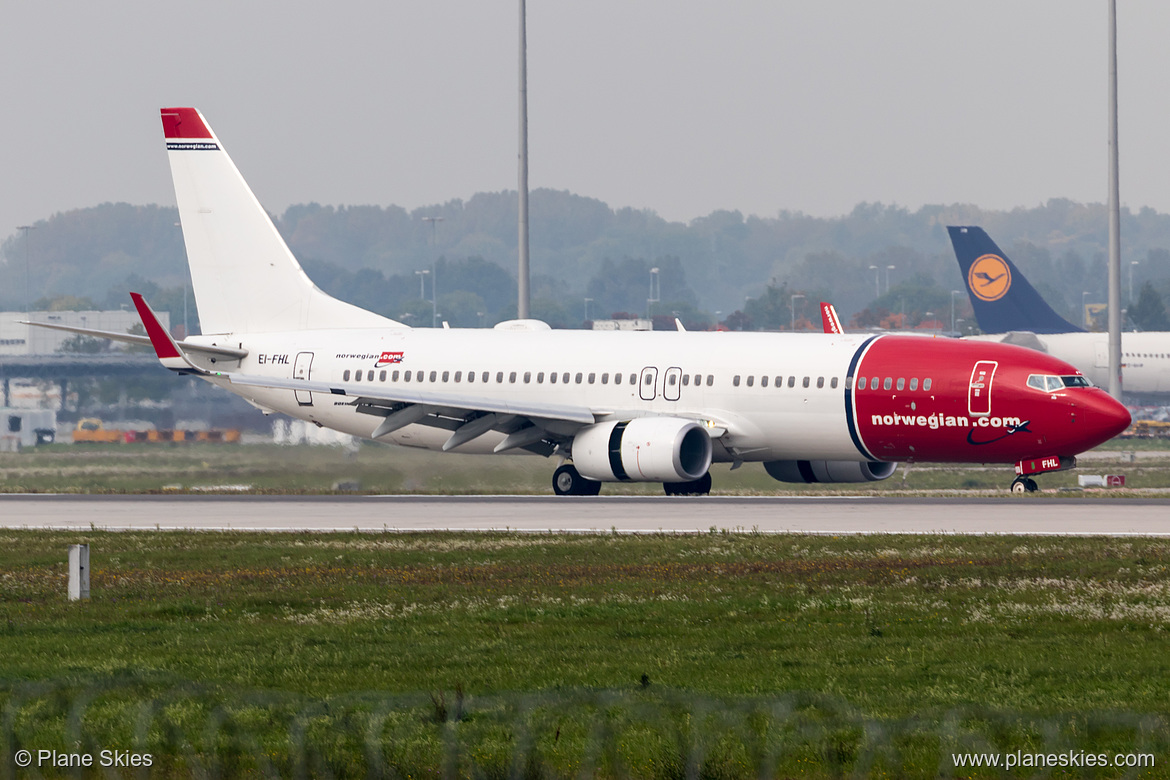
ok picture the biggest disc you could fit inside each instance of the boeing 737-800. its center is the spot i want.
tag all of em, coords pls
(1008, 308)
(613, 406)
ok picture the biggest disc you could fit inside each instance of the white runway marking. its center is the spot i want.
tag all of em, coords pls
(1008, 515)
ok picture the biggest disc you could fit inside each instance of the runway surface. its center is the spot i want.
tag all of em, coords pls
(1007, 515)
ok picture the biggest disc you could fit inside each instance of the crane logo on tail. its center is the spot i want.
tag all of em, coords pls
(989, 278)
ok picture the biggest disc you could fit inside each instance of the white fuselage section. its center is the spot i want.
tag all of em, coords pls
(727, 380)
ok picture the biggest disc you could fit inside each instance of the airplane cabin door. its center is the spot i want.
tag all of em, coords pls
(648, 383)
(671, 384)
(979, 391)
(302, 368)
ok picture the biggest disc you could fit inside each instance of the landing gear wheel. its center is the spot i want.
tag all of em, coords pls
(698, 487)
(1024, 485)
(567, 481)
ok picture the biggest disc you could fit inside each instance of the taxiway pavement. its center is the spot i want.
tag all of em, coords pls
(848, 515)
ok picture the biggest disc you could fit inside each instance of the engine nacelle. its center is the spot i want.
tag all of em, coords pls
(809, 471)
(645, 449)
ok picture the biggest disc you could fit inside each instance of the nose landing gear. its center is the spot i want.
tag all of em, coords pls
(1024, 485)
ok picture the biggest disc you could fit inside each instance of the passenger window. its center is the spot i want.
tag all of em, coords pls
(833, 383)
(820, 382)
(370, 375)
(434, 375)
(578, 377)
(710, 380)
(382, 376)
(458, 376)
(860, 383)
(500, 377)
(446, 376)
(901, 383)
(470, 376)
(540, 378)
(751, 380)
(792, 381)
(592, 378)
(605, 378)
(633, 379)
(735, 381)
(698, 379)
(763, 381)
(914, 383)
(565, 378)
(345, 376)
(672, 380)
(617, 379)
(779, 381)
(805, 383)
(886, 385)
(394, 376)
(649, 380)
(925, 384)
(512, 377)
(357, 376)
(552, 377)
(686, 379)
(527, 377)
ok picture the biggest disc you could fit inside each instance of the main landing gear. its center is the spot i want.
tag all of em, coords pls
(699, 487)
(567, 481)
(1024, 485)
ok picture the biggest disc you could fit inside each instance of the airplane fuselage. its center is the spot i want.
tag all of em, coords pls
(763, 396)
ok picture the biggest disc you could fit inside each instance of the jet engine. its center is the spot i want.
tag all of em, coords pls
(645, 449)
(808, 471)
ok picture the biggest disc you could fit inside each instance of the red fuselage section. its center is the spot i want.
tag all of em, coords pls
(929, 399)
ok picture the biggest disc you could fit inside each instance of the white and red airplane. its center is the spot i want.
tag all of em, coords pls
(613, 406)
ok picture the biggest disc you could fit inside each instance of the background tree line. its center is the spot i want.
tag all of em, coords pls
(881, 265)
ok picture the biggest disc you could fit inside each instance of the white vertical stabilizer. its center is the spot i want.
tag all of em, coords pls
(245, 278)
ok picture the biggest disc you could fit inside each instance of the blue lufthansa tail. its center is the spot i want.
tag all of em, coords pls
(1001, 296)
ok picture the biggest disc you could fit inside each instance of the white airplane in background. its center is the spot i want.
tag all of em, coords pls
(613, 406)
(1009, 309)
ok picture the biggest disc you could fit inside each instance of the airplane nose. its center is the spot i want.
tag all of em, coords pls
(1102, 418)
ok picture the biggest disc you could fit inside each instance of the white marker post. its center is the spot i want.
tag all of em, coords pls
(78, 572)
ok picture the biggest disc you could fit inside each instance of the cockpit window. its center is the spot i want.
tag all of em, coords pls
(1050, 384)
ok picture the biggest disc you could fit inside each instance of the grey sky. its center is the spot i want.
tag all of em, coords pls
(680, 106)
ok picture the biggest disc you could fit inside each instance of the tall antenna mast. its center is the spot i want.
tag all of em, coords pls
(522, 275)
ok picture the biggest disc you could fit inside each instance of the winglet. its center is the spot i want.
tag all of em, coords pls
(165, 347)
(829, 319)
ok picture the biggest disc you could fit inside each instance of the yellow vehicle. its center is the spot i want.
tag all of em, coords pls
(89, 429)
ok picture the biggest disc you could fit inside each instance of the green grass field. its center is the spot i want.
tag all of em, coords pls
(379, 468)
(548, 655)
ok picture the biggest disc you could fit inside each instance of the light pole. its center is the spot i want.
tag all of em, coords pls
(1084, 309)
(877, 281)
(587, 302)
(27, 268)
(888, 269)
(793, 305)
(1132, 263)
(953, 294)
(434, 273)
(422, 275)
(655, 292)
